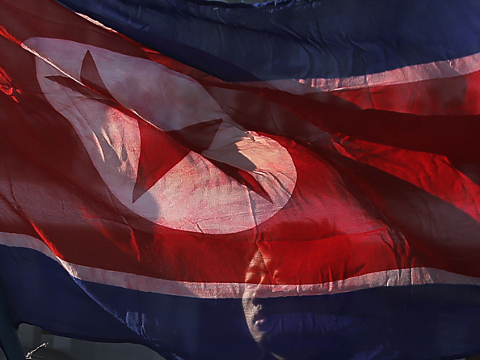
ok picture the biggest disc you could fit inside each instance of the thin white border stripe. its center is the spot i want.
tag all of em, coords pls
(398, 277)
(434, 70)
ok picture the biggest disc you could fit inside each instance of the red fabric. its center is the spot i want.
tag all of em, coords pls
(375, 190)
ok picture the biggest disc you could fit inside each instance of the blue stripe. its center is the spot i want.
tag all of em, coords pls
(413, 322)
(296, 39)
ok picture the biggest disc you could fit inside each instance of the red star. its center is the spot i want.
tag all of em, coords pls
(160, 150)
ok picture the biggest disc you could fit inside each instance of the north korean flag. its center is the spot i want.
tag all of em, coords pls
(146, 201)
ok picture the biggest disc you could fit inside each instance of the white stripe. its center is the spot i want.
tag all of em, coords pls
(398, 277)
(434, 70)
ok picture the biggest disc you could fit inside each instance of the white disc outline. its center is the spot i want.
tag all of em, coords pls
(215, 204)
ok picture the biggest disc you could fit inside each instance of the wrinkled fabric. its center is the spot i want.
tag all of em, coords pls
(144, 200)
(295, 39)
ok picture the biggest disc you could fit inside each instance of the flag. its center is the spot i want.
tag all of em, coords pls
(147, 201)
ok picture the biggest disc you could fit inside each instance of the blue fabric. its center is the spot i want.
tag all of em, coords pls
(411, 322)
(295, 39)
